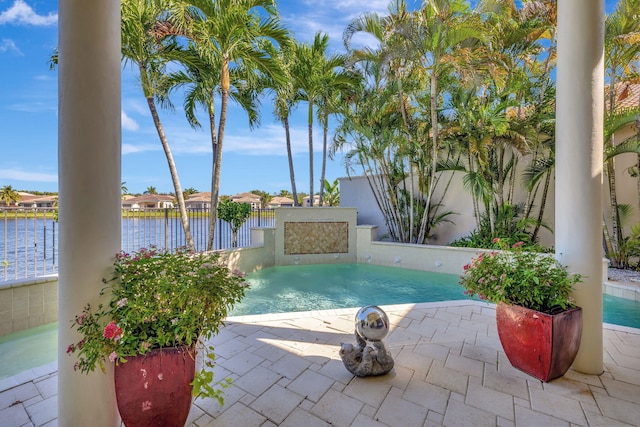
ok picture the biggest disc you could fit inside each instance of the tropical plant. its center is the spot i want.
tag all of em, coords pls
(235, 214)
(159, 299)
(517, 277)
(332, 197)
(8, 195)
(231, 38)
(148, 48)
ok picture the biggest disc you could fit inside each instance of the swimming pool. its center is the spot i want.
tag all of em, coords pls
(303, 288)
(326, 286)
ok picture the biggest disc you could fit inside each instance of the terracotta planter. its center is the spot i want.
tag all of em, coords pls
(155, 389)
(540, 344)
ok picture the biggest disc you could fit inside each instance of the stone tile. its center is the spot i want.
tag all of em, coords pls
(528, 418)
(17, 395)
(616, 409)
(571, 389)
(300, 418)
(427, 395)
(448, 378)
(412, 360)
(238, 416)
(44, 411)
(557, 406)
(465, 365)
(369, 390)
(257, 380)
(48, 386)
(480, 353)
(431, 350)
(15, 415)
(337, 409)
(311, 385)
(213, 408)
(277, 403)
(490, 400)
(242, 362)
(631, 376)
(365, 421)
(396, 411)
(290, 366)
(514, 385)
(459, 414)
(335, 369)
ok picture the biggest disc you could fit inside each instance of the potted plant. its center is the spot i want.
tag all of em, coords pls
(538, 323)
(162, 308)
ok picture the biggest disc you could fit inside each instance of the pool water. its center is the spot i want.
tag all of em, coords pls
(303, 288)
(326, 286)
(27, 349)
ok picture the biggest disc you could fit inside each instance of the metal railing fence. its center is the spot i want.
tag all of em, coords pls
(29, 237)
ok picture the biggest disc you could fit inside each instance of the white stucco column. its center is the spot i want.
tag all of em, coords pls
(579, 122)
(89, 190)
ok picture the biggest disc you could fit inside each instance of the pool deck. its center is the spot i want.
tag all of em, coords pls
(449, 370)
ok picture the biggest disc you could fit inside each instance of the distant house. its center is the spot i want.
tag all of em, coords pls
(148, 201)
(306, 200)
(199, 201)
(252, 199)
(280, 202)
(28, 200)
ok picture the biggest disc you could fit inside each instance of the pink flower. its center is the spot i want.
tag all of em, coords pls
(518, 244)
(112, 331)
(70, 348)
(122, 302)
(80, 319)
(495, 240)
(466, 267)
(113, 356)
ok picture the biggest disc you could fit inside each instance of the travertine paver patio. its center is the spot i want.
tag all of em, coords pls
(450, 370)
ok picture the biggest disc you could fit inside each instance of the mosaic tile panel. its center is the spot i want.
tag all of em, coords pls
(316, 238)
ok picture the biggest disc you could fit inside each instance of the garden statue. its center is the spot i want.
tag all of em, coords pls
(368, 359)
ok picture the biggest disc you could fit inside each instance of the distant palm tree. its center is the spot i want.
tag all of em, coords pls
(123, 188)
(8, 195)
(151, 190)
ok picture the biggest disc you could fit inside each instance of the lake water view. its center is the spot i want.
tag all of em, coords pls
(29, 245)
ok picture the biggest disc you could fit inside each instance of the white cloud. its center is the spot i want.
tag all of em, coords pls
(9, 45)
(128, 123)
(15, 174)
(139, 148)
(22, 14)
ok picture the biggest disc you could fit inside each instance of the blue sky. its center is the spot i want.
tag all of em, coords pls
(251, 159)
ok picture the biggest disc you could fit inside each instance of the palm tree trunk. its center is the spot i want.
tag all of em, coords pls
(174, 174)
(294, 192)
(543, 202)
(310, 125)
(224, 89)
(213, 204)
(325, 133)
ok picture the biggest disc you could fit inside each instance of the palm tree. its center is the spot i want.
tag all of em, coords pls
(200, 79)
(622, 46)
(337, 84)
(123, 188)
(8, 195)
(145, 46)
(286, 97)
(231, 35)
(151, 190)
(307, 73)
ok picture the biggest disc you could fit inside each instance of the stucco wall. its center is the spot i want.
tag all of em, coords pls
(28, 303)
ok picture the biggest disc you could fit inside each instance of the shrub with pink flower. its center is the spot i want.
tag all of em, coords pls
(514, 276)
(157, 299)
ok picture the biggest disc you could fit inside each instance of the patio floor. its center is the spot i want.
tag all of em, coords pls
(449, 370)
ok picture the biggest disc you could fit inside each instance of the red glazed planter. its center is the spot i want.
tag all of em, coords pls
(155, 389)
(540, 344)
